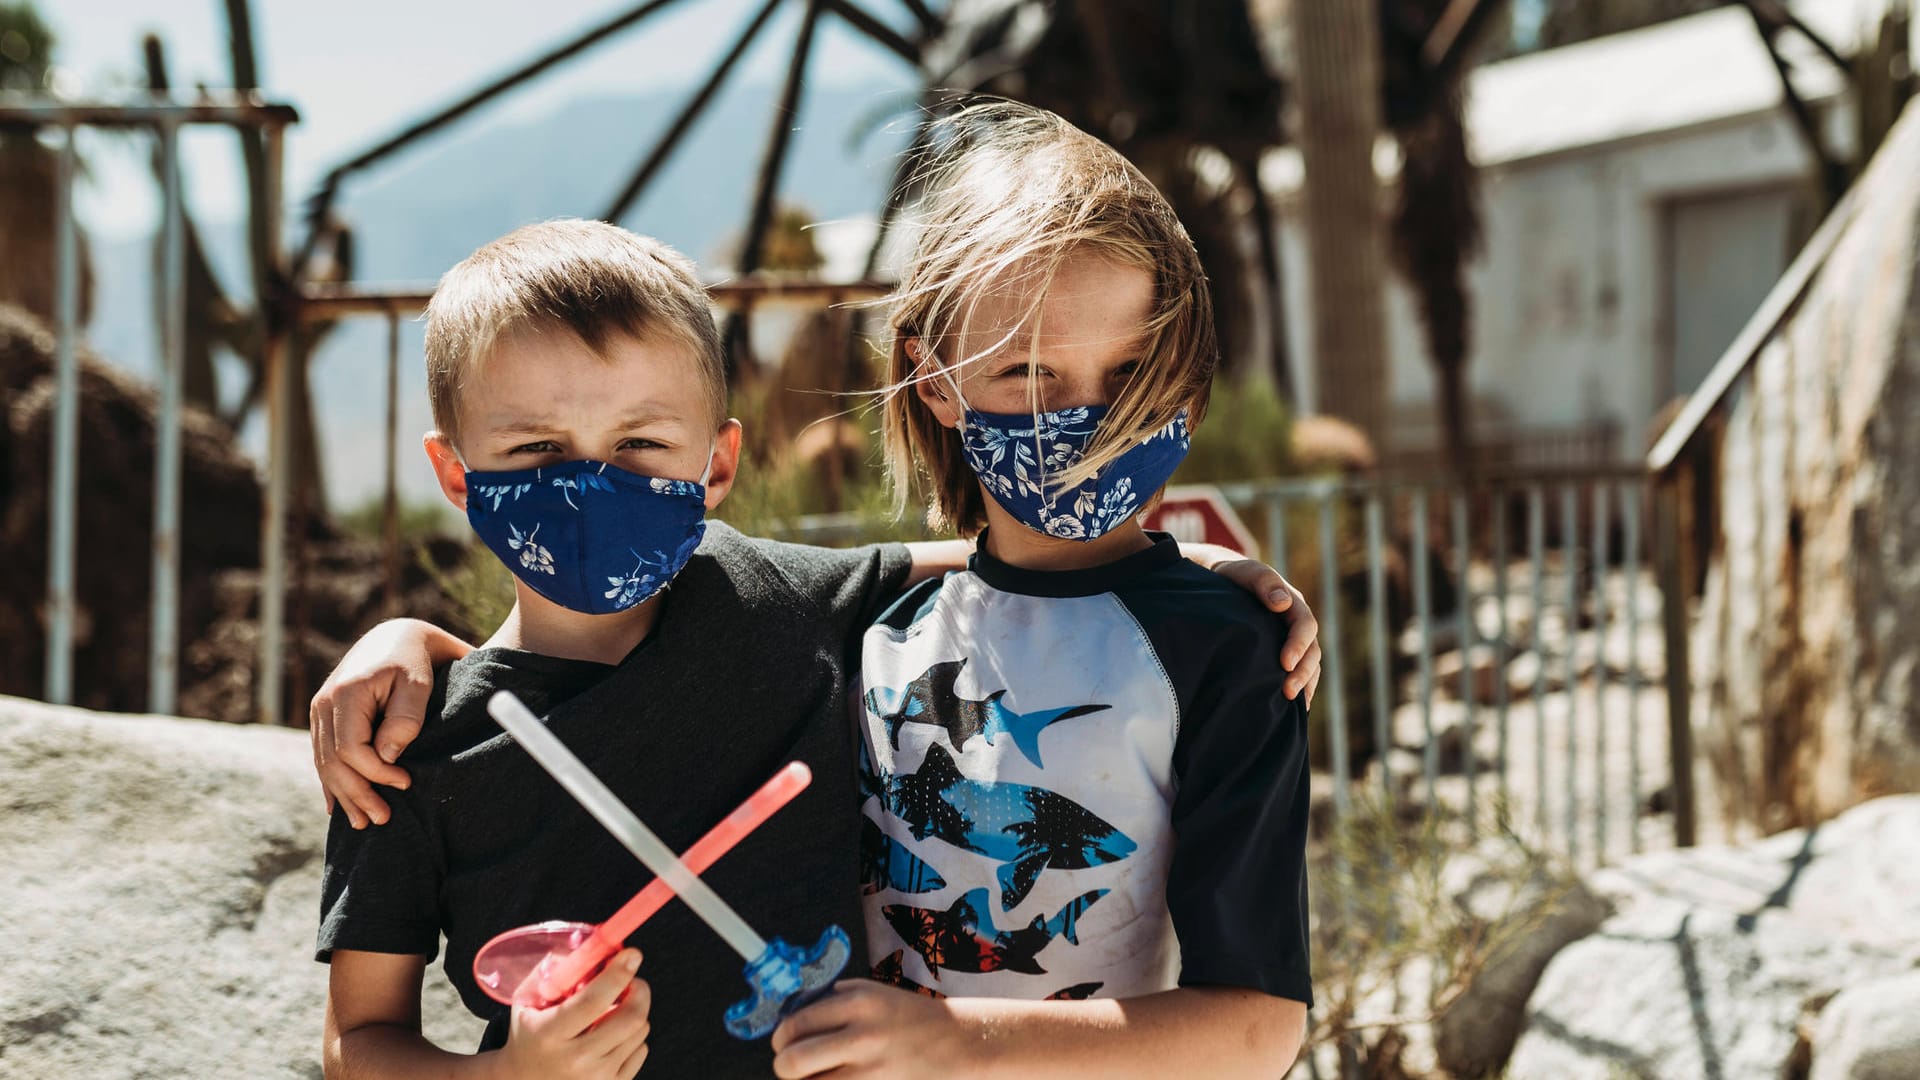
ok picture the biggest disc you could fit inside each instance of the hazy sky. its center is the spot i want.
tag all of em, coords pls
(357, 69)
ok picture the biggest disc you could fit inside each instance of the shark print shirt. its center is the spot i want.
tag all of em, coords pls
(1082, 783)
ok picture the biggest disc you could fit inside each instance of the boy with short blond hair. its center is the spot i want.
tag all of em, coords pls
(578, 394)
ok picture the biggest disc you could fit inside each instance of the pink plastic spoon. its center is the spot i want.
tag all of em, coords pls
(542, 964)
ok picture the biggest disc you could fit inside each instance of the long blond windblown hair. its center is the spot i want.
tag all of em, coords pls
(1009, 193)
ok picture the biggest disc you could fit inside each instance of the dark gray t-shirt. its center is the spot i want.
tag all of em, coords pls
(746, 670)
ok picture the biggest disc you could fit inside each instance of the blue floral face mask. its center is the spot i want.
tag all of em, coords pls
(1017, 455)
(587, 535)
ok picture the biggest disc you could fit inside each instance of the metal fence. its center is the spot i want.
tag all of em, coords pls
(1532, 584)
(163, 119)
(1546, 591)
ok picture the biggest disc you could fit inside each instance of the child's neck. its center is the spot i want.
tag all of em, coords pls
(1016, 545)
(538, 625)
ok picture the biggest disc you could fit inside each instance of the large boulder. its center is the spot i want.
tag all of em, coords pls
(1670, 991)
(1717, 952)
(1526, 913)
(1807, 655)
(1870, 1032)
(159, 901)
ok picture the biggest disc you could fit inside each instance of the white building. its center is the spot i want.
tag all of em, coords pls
(1640, 194)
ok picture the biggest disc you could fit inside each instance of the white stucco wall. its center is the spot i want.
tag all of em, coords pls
(1569, 292)
(1583, 153)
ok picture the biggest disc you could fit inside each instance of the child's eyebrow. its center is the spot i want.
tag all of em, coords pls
(541, 425)
(652, 414)
(529, 426)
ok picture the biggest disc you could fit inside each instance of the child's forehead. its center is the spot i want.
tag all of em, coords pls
(556, 378)
(1082, 302)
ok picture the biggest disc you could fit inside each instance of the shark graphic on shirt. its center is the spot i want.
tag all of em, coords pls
(963, 937)
(1026, 829)
(933, 700)
(885, 863)
(891, 971)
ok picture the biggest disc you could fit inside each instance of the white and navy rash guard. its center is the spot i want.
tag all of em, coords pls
(1082, 783)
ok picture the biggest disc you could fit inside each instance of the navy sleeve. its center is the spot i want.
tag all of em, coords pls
(1237, 887)
(380, 888)
(850, 586)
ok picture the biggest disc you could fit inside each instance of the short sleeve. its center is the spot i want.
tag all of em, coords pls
(850, 586)
(1237, 889)
(380, 888)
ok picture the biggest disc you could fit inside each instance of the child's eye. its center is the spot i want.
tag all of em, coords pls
(1126, 370)
(640, 444)
(544, 446)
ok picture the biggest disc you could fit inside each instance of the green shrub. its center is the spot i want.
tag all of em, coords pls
(1245, 436)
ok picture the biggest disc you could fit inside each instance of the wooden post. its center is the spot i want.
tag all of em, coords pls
(1673, 607)
(390, 504)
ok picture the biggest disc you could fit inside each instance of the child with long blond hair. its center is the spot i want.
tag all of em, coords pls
(1085, 787)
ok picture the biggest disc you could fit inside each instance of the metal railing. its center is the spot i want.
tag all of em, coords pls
(1488, 571)
(1552, 563)
(164, 119)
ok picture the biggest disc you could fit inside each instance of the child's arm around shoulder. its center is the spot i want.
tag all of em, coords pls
(867, 1029)
(389, 670)
(1298, 655)
(373, 1027)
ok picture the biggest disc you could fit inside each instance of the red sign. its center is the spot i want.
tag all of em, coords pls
(1196, 514)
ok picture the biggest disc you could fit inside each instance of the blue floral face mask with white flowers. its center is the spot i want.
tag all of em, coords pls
(1017, 455)
(589, 536)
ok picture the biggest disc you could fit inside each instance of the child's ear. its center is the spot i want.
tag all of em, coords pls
(931, 388)
(447, 468)
(726, 463)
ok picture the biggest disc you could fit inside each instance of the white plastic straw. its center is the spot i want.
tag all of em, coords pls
(573, 774)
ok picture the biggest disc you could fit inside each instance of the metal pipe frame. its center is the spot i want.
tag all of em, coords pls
(1570, 582)
(390, 501)
(233, 109)
(268, 676)
(66, 432)
(1630, 497)
(1336, 684)
(1377, 640)
(1463, 555)
(1423, 616)
(163, 656)
(1600, 608)
(326, 303)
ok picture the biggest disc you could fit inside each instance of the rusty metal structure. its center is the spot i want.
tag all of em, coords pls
(164, 119)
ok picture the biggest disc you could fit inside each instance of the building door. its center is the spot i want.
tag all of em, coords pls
(1724, 252)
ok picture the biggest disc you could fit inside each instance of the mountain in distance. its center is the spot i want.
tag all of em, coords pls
(417, 215)
(428, 209)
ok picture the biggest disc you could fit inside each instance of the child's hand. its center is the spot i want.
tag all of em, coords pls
(865, 1029)
(1300, 655)
(579, 1039)
(392, 666)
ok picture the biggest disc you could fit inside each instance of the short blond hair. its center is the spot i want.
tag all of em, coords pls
(587, 278)
(1010, 193)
